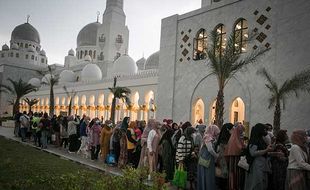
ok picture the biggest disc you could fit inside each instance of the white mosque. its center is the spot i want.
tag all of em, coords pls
(172, 82)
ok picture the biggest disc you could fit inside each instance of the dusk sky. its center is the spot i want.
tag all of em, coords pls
(59, 22)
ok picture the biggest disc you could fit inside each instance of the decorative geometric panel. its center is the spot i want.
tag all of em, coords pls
(255, 12)
(261, 37)
(181, 46)
(182, 32)
(255, 47)
(189, 44)
(267, 45)
(188, 58)
(255, 29)
(262, 19)
(185, 52)
(268, 9)
(267, 27)
(190, 30)
(185, 38)
(181, 60)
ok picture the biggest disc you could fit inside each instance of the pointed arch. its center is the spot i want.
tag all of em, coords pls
(241, 35)
(212, 112)
(237, 110)
(221, 32)
(200, 45)
(198, 111)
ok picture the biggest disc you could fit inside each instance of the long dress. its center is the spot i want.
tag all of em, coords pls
(123, 157)
(279, 167)
(105, 136)
(168, 163)
(206, 175)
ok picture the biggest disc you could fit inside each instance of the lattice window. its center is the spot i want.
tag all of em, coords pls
(241, 35)
(200, 45)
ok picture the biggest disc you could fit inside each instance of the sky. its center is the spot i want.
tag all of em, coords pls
(59, 22)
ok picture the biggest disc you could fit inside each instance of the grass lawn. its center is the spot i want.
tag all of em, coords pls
(23, 167)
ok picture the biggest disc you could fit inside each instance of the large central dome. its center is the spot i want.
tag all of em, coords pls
(88, 35)
(25, 32)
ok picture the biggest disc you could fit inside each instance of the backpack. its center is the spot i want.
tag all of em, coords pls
(25, 121)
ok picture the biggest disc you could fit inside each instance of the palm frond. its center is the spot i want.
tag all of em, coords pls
(300, 82)
(271, 85)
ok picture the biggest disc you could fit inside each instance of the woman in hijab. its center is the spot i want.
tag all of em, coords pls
(105, 136)
(167, 153)
(279, 162)
(298, 162)
(233, 151)
(123, 157)
(207, 158)
(257, 150)
(152, 144)
(144, 155)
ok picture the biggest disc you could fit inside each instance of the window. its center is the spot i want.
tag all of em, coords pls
(42, 60)
(32, 57)
(81, 55)
(200, 45)
(27, 56)
(36, 58)
(241, 36)
(119, 39)
(17, 55)
(11, 54)
(26, 45)
(85, 53)
(94, 56)
(221, 44)
(90, 53)
(101, 57)
(77, 55)
(2, 55)
(21, 44)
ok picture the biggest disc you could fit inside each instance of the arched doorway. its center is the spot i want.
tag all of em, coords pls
(212, 112)
(237, 113)
(199, 111)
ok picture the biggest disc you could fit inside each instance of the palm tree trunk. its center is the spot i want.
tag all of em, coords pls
(52, 103)
(113, 110)
(16, 106)
(29, 109)
(70, 107)
(219, 108)
(277, 117)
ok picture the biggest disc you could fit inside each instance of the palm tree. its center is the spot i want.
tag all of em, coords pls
(224, 64)
(18, 89)
(51, 80)
(69, 95)
(31, 102)
(118, 93)
(300, 82)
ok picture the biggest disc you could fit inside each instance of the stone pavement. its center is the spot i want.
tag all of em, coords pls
(63, 154)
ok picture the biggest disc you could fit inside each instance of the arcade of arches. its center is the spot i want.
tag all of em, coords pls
(100, 106)
(237, 111)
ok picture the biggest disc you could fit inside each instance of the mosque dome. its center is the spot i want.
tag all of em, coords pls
(35, 82)
(152, 61)
(14, 46)
(25, 32)
(46, 78)
(91, 72)
(124, 65)
(140, 63)
(88, 35)
(42, 52)
(31, 49)
(87, 58)
(67, 76)
(71, 52)
(5, 47)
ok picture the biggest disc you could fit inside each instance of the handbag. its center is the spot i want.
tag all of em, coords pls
(204, 162)
(243, 163)
(180, 177)
(110, 159)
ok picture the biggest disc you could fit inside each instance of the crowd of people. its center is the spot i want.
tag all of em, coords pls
(213, 158)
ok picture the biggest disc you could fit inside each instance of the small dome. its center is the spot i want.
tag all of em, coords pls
(152, 62)
(46, 79)
(91, 72)
(67, 76)
(25, 32)
(124, 65)
(31, 49)
(42, 52)
(88, 35)
(71, 52)
(14, 46)
(140, 63)
(87, 58)
(5, 47)
(35, 82)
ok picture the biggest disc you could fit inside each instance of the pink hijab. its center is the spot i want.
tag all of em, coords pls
(235, 143)
(211, 133)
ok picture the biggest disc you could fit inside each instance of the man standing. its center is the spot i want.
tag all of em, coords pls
(24, 125)
(83, 135)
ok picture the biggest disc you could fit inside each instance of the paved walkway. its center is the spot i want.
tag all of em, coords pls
(63, 154)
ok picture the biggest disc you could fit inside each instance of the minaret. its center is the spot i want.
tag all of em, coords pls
(114, 9)
(206, 2)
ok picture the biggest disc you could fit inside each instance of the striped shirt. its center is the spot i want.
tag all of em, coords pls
(184, 148)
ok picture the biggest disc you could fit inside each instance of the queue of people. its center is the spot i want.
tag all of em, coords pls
(211, 156)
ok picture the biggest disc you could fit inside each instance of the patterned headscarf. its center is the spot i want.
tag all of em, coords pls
(235, 143)
(299, 138)
(210, 134)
